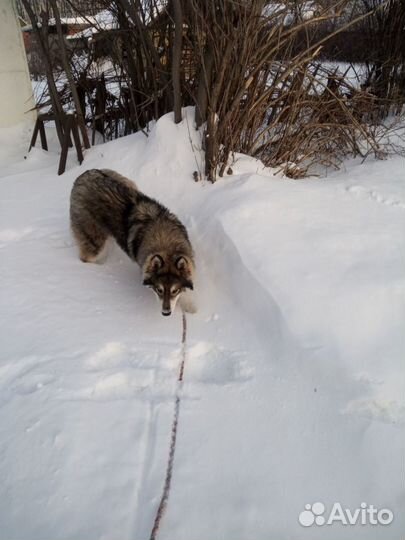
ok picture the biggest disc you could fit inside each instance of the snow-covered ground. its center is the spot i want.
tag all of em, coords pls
(294, 387)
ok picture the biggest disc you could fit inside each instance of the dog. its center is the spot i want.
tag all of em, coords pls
(105, 204)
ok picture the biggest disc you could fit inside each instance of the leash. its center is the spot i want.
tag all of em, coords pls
(169, 467)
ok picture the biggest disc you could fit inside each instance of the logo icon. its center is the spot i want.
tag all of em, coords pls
(312, 514)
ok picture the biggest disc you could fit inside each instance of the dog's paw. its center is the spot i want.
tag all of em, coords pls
(190, 308)
(187, 304)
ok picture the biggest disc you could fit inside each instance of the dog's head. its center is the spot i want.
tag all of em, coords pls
(168, 279)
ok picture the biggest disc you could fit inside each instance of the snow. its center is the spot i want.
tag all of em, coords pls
(104, 20)
(291, 15)
(294, 380)
(354, 73)
(89, 19)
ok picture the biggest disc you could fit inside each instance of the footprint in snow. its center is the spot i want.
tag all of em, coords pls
(150, 373)
(24, 376)
(207, 363)
(113, 355)
(362, 192)
(383, 410)
(9, 236)
(17, 369)
(33, 383)
(110, 355)
(119, 385)
(116, 371)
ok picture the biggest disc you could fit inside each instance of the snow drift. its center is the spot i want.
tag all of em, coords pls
(294, 388)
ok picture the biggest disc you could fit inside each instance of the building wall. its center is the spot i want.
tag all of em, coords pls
(15, 86)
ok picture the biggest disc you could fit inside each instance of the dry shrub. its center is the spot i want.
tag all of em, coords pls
(252, 69)
(385, 30)
(270, 98)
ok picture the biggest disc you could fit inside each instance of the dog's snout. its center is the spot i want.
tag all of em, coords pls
(166, 313)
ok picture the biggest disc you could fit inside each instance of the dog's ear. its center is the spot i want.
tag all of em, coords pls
(147, 282)
(181, 263)
(189, 285)
(156, 263)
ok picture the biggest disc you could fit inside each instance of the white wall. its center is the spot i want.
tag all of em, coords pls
(15, 86)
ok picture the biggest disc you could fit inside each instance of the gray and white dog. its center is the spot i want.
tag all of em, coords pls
(105, 204)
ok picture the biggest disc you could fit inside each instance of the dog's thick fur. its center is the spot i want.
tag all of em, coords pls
(105, 204)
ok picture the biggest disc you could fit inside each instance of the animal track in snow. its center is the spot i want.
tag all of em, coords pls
(114, 354)
(360, 191)
(17, 369)
(119, 385)
(8, 236)
(33, 383)
(385, 410)
(23, 376)
(116, 371)
(208, 363)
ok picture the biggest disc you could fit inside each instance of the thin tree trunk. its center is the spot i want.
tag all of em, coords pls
(176, 62)
(211, 139)
(204, 84)
(68, 71)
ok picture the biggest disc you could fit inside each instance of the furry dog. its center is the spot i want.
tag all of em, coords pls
(105, 204)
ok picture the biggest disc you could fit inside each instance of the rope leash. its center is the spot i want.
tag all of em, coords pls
(169, 468)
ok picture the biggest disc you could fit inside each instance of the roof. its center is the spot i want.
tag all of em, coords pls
(104, 20)
(70, 21)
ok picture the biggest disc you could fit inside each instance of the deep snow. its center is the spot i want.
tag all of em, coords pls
(294, 383)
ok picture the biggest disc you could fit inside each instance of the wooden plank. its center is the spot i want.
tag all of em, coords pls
(34, 135)
(65, 144)
(45, 117)
(75, 132)
(42, 134)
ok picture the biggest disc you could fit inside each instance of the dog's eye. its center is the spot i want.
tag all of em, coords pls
(159, 290)
(175, 292)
